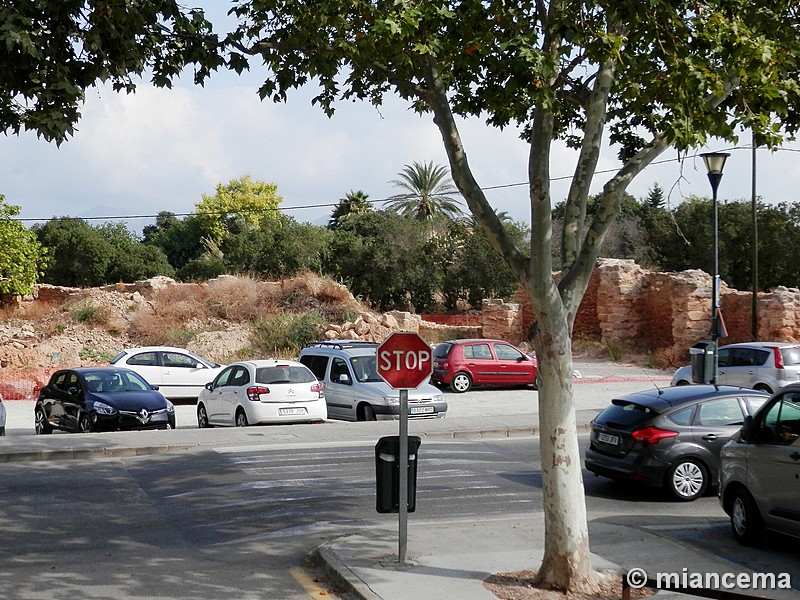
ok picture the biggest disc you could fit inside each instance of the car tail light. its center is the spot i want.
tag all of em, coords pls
(652, 435)
(317, 387)
(776, 352)
(254, 393)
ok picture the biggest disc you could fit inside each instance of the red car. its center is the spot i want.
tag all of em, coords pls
(464, 363)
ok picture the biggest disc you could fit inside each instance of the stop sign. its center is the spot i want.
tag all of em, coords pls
(404, 360)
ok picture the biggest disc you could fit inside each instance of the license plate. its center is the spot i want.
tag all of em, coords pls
(285, 412)
(608, 439)
(420, 410)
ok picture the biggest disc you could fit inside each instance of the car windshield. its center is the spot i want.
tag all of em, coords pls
(364, 369)
(115, 381)
(284, 374)
(623, 414)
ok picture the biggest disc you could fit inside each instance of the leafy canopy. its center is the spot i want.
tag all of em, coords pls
(501, 59)
(51, 51)
(22, 257)
(428, 193)
(240, 203)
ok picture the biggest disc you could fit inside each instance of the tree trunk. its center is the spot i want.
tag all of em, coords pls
(566, 564)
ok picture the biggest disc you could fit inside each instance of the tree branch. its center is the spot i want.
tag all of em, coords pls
(436, 98)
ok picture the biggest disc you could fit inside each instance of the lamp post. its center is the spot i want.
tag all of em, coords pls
(715, 163)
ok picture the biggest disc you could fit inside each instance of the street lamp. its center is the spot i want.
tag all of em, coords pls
(715, 163)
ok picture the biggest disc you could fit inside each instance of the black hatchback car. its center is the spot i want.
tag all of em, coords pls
(100, 399)
(669, 437)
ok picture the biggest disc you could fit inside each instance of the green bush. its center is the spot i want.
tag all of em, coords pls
(286, 334)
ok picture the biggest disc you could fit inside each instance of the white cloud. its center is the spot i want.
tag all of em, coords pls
(162, 149)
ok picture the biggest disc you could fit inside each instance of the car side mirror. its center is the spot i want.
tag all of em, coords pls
(199, 365)
(154, 387)
(344, 378)
(74, 391)
(746, 433)
(209, 386)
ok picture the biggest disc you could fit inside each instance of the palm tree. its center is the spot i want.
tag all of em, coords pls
(353, 203)
(427, 196)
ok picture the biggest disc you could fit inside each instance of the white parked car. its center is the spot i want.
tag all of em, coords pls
(765, 366)
(177, 372)
(257, 392)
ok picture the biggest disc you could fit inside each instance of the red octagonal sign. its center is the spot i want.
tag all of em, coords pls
(404, 360)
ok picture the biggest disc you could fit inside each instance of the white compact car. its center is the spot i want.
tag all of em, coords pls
(256, 392)
(177, 372)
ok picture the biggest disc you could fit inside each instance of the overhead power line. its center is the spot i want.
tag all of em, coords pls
(376, 201)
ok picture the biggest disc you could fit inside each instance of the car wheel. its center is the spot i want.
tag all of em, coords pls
(368, 413)
(683, 382)
(461, 383)
(85, 423)
(746, 521)
(687, 480)
(537, 381)
(761, 387)
(202, 417)
(40, 423)
(241, 418)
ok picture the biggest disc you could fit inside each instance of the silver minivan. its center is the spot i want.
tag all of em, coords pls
(355, 392)
(766, 366)
(759, 484)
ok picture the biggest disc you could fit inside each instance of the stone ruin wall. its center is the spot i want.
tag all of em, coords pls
(661, 314)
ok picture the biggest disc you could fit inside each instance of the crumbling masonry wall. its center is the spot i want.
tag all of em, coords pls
(662, 314)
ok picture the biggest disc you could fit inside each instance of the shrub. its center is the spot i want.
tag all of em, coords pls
(286, 334)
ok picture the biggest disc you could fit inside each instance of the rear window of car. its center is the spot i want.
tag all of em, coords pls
(791, 356)
(442, 350)
(317, 364)
(284, 374)
(623, 414)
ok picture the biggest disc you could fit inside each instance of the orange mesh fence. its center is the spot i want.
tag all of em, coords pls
(23, 384)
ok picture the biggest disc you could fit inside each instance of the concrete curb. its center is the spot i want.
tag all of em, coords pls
(342, 575)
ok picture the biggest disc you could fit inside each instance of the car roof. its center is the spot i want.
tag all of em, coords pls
(84, 370)
(269, 362)
(667, 397)
(472, 340)
(350, 347)
(761, 345)
(158, 349)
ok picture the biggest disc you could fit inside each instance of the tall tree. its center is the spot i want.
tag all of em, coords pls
(240, 203)
(649, 74)
(354, 203)
(22, 257)
(428, 193)
(51, 51)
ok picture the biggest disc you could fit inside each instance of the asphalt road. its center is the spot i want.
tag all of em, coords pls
(236, 522)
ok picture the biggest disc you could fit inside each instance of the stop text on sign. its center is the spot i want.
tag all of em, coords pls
(397, 360)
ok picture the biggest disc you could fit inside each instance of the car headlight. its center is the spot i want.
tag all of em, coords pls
(391, 399)
(104, 409)
(170, 407)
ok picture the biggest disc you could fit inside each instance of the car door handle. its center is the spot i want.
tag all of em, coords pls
(795, 456)
(710, 437)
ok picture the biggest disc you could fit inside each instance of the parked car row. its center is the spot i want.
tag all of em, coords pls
(331, 379)
(689, 439)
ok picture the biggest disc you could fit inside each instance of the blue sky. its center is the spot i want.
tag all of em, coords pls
(163, 149)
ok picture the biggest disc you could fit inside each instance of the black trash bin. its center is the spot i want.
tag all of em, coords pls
(387, 473)
(702, 354)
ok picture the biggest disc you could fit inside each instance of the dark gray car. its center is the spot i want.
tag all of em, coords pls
(669, 437)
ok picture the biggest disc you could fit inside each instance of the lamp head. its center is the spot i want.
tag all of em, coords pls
(715, 162)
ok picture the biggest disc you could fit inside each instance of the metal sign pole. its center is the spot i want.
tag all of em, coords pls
(403, 512)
